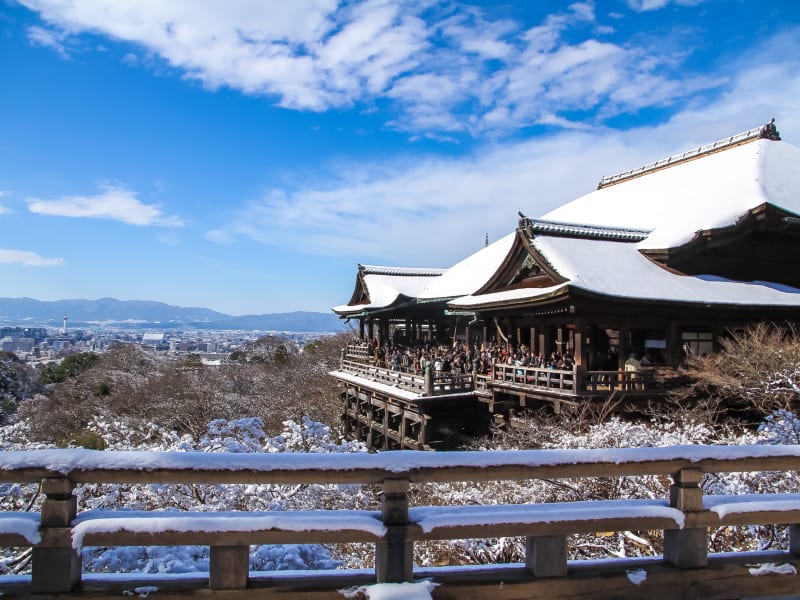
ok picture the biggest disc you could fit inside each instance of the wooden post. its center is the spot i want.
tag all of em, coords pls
(56, 564)
(794, 539)
(578, 372)
(546, 556)
(385, 424)
(686, 548)
(229, 567)
(394, 557)
(428, 381)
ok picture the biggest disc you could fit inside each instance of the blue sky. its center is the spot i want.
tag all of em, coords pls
(245, 155)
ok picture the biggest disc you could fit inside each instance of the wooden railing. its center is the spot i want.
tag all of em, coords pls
(549, 379)
(574, 381)
(429, 384)
(358, 351)
(59, 530)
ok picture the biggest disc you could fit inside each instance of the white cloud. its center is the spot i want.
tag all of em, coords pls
(445, 68)
(48, 38)
(114, 202)
(434, 212)
(646, 5)
(28, 259)
(3, 209)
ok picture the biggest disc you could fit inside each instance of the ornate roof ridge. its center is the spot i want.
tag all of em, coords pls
(766, 132)
(400, 271)
(577, 230)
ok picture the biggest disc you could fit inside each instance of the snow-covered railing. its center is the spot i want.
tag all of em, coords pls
(59, 530)
(430, 384)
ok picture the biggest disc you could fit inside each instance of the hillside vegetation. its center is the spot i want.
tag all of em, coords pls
(268, 379)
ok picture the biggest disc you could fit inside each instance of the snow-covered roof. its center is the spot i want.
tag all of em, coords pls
(469, 275)
(712, 190)
(384, 285)
(615, 268)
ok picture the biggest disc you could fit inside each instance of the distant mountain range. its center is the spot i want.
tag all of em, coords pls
(139, 313)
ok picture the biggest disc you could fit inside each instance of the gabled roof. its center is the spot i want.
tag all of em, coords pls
(712, 190)
(380, 287)
(615, 268)
(469, 275)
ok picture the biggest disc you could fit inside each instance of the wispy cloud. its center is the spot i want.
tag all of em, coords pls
(28, 259)
(114, 202)
(3, 209)
(49, 38)
(645, 5)
(444, 68)
(436, 211)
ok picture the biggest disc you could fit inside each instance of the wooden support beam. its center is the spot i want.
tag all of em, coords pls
(56, 565)
(394, 557)
(229, 567)
(686, 548)
(546, 556)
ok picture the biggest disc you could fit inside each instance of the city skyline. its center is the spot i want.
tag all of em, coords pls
(246, 156)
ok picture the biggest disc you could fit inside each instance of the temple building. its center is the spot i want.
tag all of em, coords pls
(659, 262)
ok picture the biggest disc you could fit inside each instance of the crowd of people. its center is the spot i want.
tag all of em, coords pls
(462, 357)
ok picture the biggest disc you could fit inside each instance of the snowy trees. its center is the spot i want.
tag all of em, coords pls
(757, 369)
(184, 395)
(16, 382)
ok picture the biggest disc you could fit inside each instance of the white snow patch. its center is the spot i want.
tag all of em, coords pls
(433, 517)
(21, 523)
(637, 577)
(142, 591)
(65, 461)
(773, 569)
(749, 503)
(420, 590)
(100, 521)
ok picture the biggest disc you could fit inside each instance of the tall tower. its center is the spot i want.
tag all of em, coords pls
(64, 329)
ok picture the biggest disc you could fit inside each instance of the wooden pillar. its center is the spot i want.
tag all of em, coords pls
(794, 539)
(717, 332)
(361, 329)
(674, 351)
(546, 341)
(580, 349)
(560, 345)
(546, 556)
(428, 381)
(385, 424)
(624, 343)
(56, 565)
(229, 566)
(686, 548)
(394, 556)
(534, 342)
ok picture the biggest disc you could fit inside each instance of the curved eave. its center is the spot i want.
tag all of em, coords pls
(747, 222)
(557, 293)
(599, 297)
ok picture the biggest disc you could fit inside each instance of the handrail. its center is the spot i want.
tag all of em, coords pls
(539, 377)
(684, 516)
